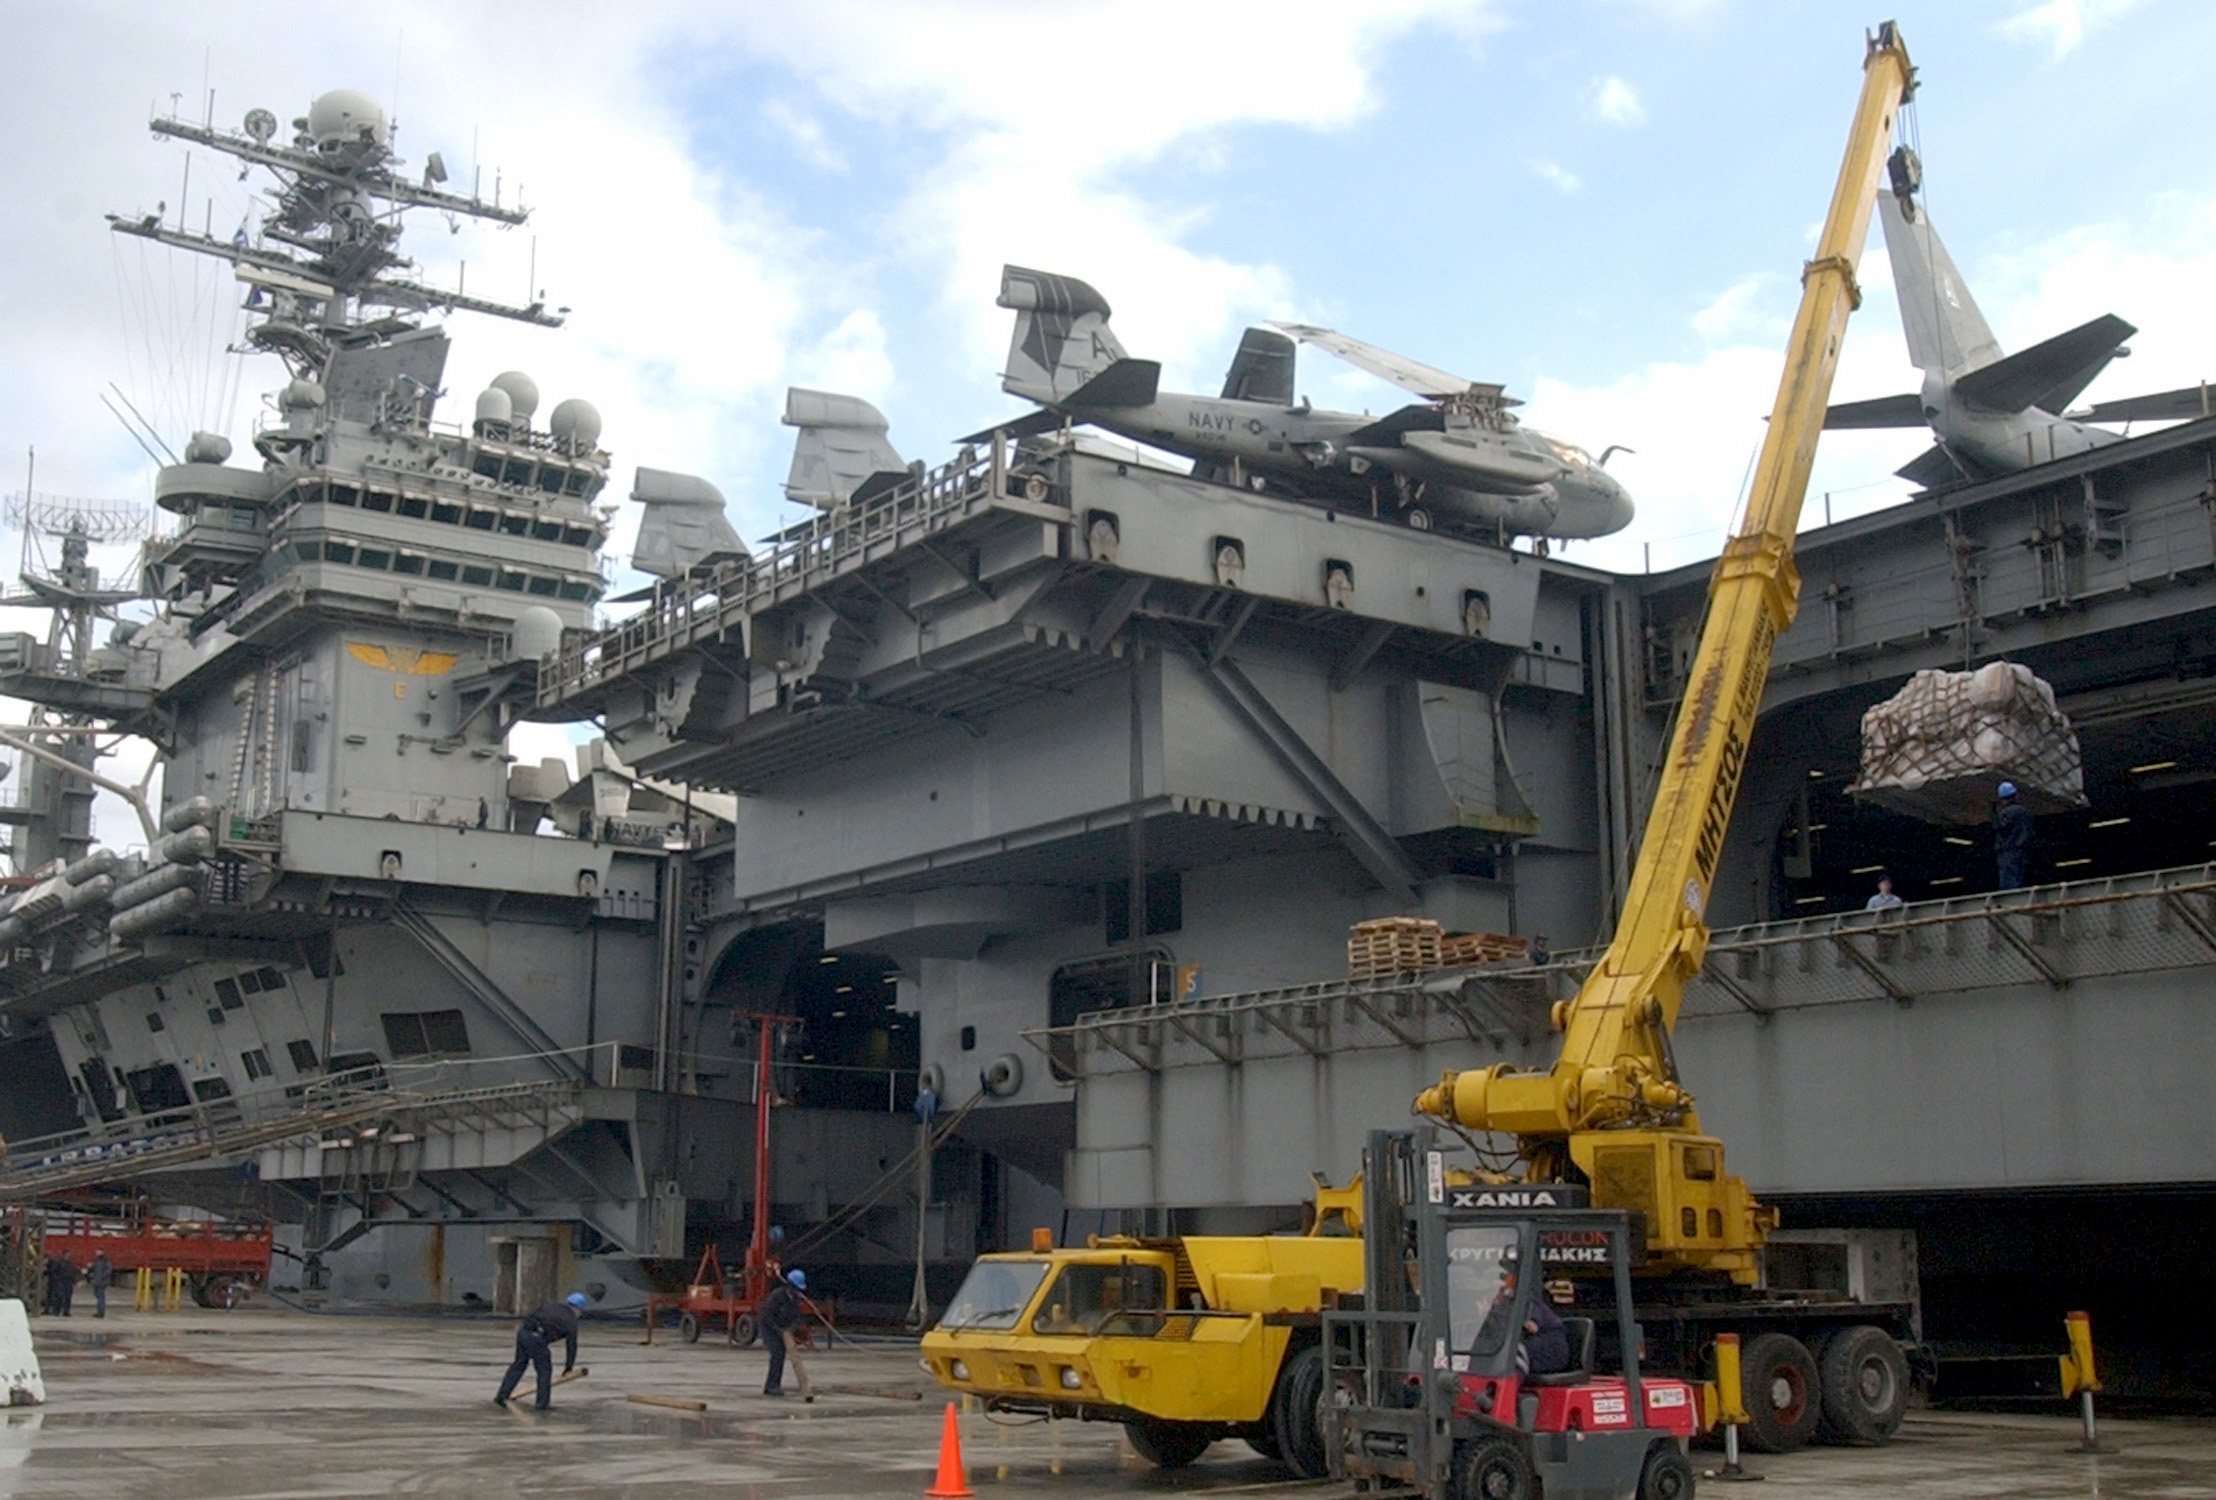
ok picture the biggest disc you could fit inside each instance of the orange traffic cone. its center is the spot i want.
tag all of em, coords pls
(953, 1480)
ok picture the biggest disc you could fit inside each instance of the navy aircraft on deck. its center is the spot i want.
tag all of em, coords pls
(1457, 458)
(1989, 413)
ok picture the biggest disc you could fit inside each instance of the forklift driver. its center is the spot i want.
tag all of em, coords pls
(1545, 1346)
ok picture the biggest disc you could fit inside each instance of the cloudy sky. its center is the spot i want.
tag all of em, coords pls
(1602, 203)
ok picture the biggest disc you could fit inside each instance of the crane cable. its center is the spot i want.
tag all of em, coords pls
(877, 1189)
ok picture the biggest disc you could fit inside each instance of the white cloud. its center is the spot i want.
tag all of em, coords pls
(1557, 176)
(1617, 102)
(1735, 312)
(2061, 24)
(851, 359)
(806, 134)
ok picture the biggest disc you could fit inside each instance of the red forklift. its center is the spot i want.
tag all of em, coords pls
(1426, 1381)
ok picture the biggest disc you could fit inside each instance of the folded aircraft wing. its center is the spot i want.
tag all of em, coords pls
(1388, 430)
(1409, 375)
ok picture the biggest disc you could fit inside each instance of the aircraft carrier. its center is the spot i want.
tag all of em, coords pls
(1052, 781)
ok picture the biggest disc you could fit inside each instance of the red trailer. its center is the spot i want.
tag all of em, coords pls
(219, 1260)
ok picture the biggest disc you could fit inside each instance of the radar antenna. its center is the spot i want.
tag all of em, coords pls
(329, 250)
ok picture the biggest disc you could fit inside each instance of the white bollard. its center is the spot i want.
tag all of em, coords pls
(19, 1376)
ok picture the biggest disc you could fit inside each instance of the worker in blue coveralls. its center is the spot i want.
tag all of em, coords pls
(535, 1347)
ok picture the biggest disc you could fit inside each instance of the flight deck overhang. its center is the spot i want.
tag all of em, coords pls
(997, 582)
(2113, 543)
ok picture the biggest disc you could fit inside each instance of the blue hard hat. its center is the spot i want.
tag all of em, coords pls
(798, 1279)
(575, 1299)
(2008, 789)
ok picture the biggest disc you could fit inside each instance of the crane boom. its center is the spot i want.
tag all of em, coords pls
(1612, 1108)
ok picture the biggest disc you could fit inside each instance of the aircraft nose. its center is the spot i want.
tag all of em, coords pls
(1619, 510)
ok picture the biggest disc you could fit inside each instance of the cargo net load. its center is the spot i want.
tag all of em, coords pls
(1940, 748)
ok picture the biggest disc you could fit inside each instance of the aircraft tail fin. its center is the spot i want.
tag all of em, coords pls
(1061, 339)
(1946, 332)
(1262, 370)
(842, 447)
(2048, 375)
(684, 525)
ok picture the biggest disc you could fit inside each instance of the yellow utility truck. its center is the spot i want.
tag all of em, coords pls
(1183, 1340)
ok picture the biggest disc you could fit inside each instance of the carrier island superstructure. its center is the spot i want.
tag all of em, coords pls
(1060, 778)
(344, 975)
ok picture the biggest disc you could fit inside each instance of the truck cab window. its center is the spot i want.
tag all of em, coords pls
(1125, 1298)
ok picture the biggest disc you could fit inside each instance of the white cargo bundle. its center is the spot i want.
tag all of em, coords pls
(1940, 748)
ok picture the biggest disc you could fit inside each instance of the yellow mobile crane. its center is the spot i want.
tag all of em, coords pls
(1612, 1114)
(1187, 1340)
(1612, 1111)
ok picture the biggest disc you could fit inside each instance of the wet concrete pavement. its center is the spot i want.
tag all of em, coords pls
(258, 1404)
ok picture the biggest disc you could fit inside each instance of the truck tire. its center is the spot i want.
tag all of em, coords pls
(1296, 1412)
(1668, 1474)
(1864, 1379)
(1778, 1382)
(1165, 1444)
(1494, 1468)
(1262, 1438)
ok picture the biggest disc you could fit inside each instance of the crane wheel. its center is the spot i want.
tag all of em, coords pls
(1778, 1382)
(1864, 1379)
(1167, 1445)
(1494, 1468)
(688, 1328)
(1296, 1412)
(743, 1329)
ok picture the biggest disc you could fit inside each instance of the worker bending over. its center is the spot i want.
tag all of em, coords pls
(535, 1347)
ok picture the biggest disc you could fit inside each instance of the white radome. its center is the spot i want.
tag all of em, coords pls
(575, 422)
(522, 391)
(537, 634)
(343, 114)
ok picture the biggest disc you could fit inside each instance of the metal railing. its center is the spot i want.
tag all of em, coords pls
(188, 1137)
(682, 611)
(2044, 937)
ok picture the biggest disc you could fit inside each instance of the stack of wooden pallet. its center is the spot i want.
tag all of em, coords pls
(1392, 945)
(1480, 948)
(1409, 945)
